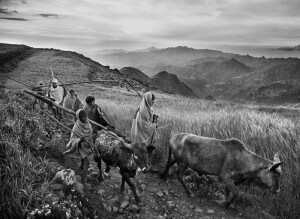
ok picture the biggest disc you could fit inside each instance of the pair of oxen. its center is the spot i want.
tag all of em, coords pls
(227, 159)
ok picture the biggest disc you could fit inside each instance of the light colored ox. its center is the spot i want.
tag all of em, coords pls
(227, 159)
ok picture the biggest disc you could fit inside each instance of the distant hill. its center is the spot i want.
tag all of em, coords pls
(31, 65)
(289, 48)
(197, 85)
(146, 50)
(110, 51)
(171, 84)
(136, 74)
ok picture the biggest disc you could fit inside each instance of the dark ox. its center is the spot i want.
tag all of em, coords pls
(227, 159)
(117, 153)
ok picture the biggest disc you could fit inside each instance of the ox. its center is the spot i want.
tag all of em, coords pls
(115, 152)
(227, 159)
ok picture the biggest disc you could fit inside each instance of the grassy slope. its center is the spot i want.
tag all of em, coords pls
(263, 133)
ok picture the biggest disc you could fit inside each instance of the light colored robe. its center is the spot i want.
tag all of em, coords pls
(80, 130)
(57, 94)
(142, 129)
(71, 104)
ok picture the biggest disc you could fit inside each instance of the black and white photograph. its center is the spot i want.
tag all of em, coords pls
(151, 109)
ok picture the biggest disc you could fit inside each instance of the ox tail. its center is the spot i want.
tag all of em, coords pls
(170, 151)
(169, 156)
(164, 174)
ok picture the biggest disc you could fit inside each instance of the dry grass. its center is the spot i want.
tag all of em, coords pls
(262, 132)
(22, 174)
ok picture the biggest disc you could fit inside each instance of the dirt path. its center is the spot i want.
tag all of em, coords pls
(160, 199)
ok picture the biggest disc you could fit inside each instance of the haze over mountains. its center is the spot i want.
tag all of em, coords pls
(180, 70)
(220, 74)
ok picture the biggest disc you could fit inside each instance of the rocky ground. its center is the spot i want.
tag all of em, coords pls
(160, 199)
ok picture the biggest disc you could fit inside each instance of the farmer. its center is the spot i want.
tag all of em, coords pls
(71, 102)
(42, 91)
(144, 126)
(81, 139)
(56, 92)
(95, 114)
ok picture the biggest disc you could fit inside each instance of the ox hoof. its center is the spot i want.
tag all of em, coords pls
(191, 195)
(220, 202)
(229, 206)
(138, 201)
(140, 204)
(106, 175)
(163, 176)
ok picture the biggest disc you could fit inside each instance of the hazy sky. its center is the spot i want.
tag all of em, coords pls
(91, 25)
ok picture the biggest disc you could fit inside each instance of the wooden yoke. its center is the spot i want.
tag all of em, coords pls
(50, 102)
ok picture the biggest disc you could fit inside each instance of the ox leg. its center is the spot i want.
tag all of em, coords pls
(231, 192)
(98, 161)
(164, 174)
(227, 192)
(180, 173)
(85, 169)
(123, 184)
(107, 169)
(132, 186)
(82, 162)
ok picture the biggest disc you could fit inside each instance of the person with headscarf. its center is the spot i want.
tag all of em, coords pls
(144, 126)
(56, 92)
(81, 140)
(71, 102)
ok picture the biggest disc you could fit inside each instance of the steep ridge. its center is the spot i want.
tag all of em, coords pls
(31, 65)
(136, 74)
(171, 84)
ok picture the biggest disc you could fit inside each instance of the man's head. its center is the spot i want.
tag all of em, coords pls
(72, 93)
(90, 100)
(54, 82)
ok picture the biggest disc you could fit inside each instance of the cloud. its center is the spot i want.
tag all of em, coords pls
(131, 24)
(48, 15)
(13, 18)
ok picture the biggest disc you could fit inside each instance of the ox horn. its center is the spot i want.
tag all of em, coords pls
(276, 158)
(127, 146)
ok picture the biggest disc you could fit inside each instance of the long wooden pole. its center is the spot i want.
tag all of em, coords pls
(82, 82)
(60, 107)
(58, 122)
(130, 84)
(18, 81)
(69, 111)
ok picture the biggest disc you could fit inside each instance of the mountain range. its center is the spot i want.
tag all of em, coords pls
(163, 81)
(31, 65)
(219, 74)
(179, 70)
